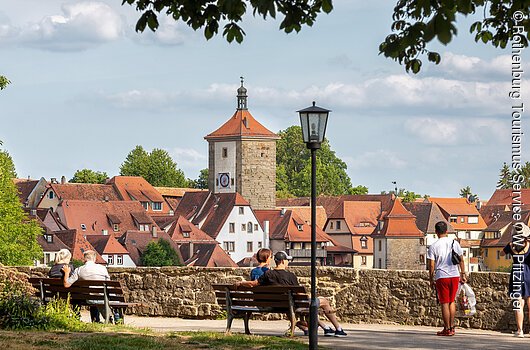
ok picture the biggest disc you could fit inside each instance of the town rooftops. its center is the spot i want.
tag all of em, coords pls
(205, 254)
(78, 244)
(427, 215)
(88, 192)
(459, 207)
(136, 242)
(400, 223)
(135, 188)
(506, 197)
(106, 244)
(361, 216)
(184, 231)
(25, 187)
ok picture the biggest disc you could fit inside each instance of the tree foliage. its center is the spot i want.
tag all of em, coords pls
(409, 197)
(415, 22)
(201, 182)
(157, 167)
(520, 176)
(418, 22)
(208, 15)
(160, 254)
(88, 176)
(18, 234)
(293, 169)
(467, 193)
(4, 82)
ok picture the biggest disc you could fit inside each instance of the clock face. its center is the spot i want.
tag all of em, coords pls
(224, 180)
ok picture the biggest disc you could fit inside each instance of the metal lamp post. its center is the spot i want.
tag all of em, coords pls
(313, 120)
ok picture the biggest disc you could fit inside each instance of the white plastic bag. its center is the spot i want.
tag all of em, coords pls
(466, 300)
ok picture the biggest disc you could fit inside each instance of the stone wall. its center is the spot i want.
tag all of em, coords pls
(360, 296)
(404, 253)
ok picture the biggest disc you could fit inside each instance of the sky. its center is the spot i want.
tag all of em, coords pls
(86, 89)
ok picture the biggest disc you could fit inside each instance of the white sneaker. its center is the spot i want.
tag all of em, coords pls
(518, 334)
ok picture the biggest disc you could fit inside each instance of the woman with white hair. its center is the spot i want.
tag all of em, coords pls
(62, 258)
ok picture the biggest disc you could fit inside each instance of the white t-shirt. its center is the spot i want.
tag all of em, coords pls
(440, 252)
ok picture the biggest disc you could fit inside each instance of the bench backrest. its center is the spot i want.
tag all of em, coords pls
(80, 291)
(275, 298)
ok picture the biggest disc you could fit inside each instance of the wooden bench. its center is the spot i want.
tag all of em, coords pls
(108, 294)
(242, 302)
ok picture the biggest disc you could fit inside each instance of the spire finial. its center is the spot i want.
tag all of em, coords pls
(242, 96)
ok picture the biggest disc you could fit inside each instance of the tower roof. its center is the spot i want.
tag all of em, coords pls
(242, 124)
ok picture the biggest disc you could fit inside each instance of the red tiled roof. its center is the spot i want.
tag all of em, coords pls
(357, 214)
(194, 234)
(459, 207)
(94, 215)
(137, 188)
(25, 187)
(86, 192)
(504, 197)
(305, 213)
(206, 254)
(212, 210)
(427, 215)
(78, 244)
(176, 191)
(399, 222)
(242, 124)
(331, 204)
(106, 244)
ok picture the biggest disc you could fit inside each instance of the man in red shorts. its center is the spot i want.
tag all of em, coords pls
(445, 276)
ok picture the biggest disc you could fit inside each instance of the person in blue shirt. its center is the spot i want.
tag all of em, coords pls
(264, 257)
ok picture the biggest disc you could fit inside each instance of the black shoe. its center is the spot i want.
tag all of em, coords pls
(329, 332)
(340, 333)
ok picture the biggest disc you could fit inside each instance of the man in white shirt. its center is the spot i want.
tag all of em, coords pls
(89, 271)
(445, 276)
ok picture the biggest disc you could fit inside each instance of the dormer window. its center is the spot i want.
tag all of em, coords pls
(157, 206)
(83, 227)
(185, 234)
(299, 227)
(241, 210)
(364, 242)
(51, 195)
(49, 238)
(143, 227)
(145, 205)
(116, 227)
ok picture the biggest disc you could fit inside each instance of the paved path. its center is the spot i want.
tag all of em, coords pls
(360, 336)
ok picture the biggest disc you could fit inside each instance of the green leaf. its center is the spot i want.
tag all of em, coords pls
(327, 6)
(142, 22)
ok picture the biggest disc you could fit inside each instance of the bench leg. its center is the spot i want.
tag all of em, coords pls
(229, 319)
(292, 319)
(246, 318)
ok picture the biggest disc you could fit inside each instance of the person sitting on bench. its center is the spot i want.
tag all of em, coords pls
(280, 276)
(89, 271)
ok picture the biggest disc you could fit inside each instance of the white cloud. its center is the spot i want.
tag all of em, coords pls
(457, 132)
(190, 160)
(81, 25)
(169, 33)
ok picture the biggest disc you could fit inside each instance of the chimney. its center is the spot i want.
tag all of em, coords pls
(153, 232)
(53, 180)
(266, 228)
(63, 180)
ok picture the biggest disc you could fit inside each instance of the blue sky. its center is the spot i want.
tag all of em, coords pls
(87, 89)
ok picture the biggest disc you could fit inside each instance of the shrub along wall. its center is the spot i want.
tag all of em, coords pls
(360, 296)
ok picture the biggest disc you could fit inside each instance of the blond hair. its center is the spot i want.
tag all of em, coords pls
(63, 257)
(90, 255)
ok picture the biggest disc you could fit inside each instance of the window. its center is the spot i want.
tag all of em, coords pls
(229, 246)
(145, 205)
(143, 227)
(486, 253)
(49, 238)
(331, 225)
(47, 258)
(104, 232)
(51, 195)
(241, 210)
(255, 227)
(249, 227)
(472, 219)
(243, 227)
(225, 152)
(110, 260)
(462, 219)
(338, 225)
(364, 244)
(498, 254)
(464, 252)
(232, 181)
(452, 219)
(185, 234)
(380, 245)
(363, 260)
(260, 245)
(508, 256)
(157, 206)
(380, 264)
(83, 227)
(422, 259)
(250, 247)
(119, 259)
(116, 227)
(231, 227)
(422, 241)
(468, 235)
(299, 227)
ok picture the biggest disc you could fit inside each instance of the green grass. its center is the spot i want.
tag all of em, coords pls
(128, 338)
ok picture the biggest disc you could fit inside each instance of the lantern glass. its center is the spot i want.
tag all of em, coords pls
(313, 121)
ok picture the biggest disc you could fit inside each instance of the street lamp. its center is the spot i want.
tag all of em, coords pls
(313, 120)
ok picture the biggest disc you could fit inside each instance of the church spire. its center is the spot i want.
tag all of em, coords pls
(242, 96)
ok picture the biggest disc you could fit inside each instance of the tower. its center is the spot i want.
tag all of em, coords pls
(242, 157)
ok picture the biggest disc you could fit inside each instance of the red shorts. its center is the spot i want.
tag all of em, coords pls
(447, 288)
